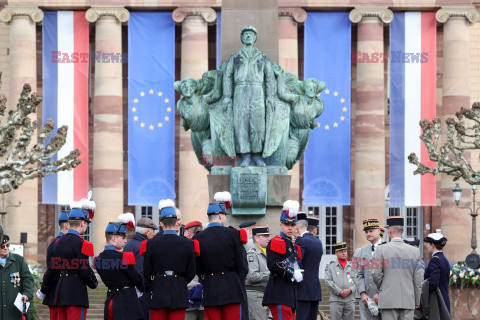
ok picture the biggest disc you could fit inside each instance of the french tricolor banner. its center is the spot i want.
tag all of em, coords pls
(412, 98)
(65, 56)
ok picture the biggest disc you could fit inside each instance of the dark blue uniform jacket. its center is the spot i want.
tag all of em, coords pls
(438, 271)
(310, 289)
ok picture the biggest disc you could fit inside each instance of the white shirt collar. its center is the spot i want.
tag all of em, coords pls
(377, 243)
(436, 252)
(303, 233)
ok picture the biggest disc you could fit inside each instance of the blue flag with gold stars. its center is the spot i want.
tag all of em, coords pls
(151, 108)
(327, 158)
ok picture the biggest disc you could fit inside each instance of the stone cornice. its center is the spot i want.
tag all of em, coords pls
(94, 13)
(469, 13)
(8, 13)
(208, 14)
(298, 14)
(382, 13)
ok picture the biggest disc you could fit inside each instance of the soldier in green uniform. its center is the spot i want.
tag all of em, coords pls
(15, 278)
(258, 273)
(341, 285)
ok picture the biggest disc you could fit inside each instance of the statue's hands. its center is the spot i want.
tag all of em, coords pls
(226, 102)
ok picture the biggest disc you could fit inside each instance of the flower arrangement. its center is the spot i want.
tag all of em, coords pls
(462, 275)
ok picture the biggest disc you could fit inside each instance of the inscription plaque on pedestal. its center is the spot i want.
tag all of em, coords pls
(248, 186)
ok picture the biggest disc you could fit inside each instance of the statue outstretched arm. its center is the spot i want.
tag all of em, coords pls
(282, 92)
(216, 92)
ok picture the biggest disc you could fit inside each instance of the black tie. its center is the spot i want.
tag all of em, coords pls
(373, 248)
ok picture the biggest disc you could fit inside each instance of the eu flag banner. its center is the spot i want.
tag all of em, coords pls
(65, 63)
(151, 107)
(327, 158)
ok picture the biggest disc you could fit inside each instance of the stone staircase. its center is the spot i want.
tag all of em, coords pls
(97, 302)
(96, 299)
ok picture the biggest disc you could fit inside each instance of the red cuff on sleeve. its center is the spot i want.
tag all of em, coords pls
(143, 248)
(278, 245)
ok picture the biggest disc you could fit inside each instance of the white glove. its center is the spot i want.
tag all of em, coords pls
(40, 294)
(139, 294)
(298, 275)
(372, 306)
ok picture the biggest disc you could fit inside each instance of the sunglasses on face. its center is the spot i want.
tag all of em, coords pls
(3, 246)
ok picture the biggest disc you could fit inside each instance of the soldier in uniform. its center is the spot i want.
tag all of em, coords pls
(313, 223)
(49, 295)
(399, 275)
(282, 261)
(248, 227)
(118, 273)
(340, 284)
(258, 273)
(309, 291)
(169, 265)
(192, 228)
(195, 288)
(220, 266)
(70, 271)
(362, 267)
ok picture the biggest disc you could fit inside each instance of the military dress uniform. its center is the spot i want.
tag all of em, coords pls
(399, 276)
(49, 295)
(257, 277)
(281, 291)
(309, 291)
(337, 279)
(118, 273)
(168, 267)
(362, 271)
(15, 278)
(70, 272)
(220, 266)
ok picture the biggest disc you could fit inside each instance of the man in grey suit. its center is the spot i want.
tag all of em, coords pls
(399, 275)
(362, 267)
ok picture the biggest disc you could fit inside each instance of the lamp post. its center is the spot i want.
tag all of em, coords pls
(473, 259)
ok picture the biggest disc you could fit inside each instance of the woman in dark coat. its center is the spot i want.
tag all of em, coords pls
(438, 269)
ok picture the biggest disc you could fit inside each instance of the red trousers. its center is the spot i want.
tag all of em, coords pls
(53, 313)
(71, 313)
(226, 312)
(110, 310)
(281, 312)
(167, 314)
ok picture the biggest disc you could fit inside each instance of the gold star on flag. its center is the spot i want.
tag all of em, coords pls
(142, 124)
(134, 109)
(335, 124)
(151, 127)
(342, 118)
(167, 118)
(335, 93)
(160, 93)
(327, 91)
(142, 94)
(166, 100)
(344, 109)
(327, 127)
(135, 100)
(342, 100)
(151, 91)
(318, 124)
(160, 124)
(135, 118)
(169, 109)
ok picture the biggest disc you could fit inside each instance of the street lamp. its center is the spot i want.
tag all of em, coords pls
(473, 259)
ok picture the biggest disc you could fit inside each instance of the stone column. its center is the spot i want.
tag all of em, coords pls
(23, 69)
(108, 123)
(369, 194)
(288, 21)
(192, 196)
(455, 223)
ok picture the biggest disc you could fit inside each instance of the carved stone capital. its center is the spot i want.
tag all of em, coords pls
(8, 13)
(94, 13)
(208, 14)
(298, 14)
(469, 13)
(382, 13)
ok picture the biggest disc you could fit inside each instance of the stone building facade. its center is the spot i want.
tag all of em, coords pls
(458, 84)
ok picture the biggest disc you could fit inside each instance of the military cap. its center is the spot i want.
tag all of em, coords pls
(79, 214)
(415, 243)
(192, 224)
(289, 212)
(249, 28)
(167, 209)
(371, 224)
(247, 224)
(260, 231)
(224, 199)
(215, 208)
(395, 221)
(146, 223)
(63, 217)
(301, 216)
(83, 209)
(4, 238)
(339, 246)
(313, 221)
(435, 238)
(116, 228)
